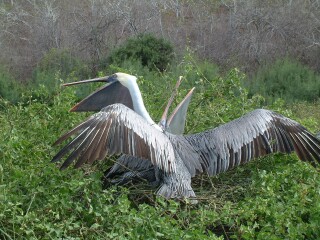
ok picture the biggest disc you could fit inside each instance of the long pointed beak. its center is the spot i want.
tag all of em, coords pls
(101, 79)
(111, 93)
(163, 120)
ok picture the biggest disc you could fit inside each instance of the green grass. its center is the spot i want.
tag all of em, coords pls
(276, 197)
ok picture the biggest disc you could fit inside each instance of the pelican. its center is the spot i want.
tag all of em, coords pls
(160, 153)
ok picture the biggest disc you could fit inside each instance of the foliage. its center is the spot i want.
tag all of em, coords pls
(309, 114)
(56, 67)
(276, 197)
(287, 205)
(154, 53)
(57, 64)
(62, 61)
(287, 79)
(10, 89)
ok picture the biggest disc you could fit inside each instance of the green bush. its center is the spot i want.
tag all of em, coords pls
(57, 64)
(155, 53)
(62, 61)
(287, 79)
(10, 89)
(56, 67)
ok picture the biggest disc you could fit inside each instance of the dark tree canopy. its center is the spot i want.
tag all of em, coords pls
(152, 52)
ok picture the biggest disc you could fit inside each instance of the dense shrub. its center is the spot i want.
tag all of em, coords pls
(58, 62)
(62, 61)
(287, 79)
(155, 53)
(10, 89)
(56, 67)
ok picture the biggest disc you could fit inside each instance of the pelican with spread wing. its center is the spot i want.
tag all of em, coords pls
(160, 153)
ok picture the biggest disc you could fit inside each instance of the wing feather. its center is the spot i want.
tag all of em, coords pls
(256, 134)
(117, 129)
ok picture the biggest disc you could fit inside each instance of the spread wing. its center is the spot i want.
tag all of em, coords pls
(256, 134)
(116, 129)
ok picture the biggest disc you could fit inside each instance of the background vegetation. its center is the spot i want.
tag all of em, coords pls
(275, 197)
(239, 55)
(232, 33)
(287, 79)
